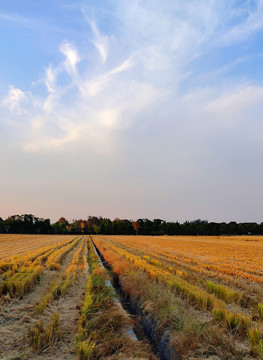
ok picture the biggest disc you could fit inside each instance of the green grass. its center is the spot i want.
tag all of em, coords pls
(85, 349)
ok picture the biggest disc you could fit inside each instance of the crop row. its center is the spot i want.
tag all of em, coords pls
(194, 294)
(231, 256)
(23, 275)
(59, 286)
(102, 325)
(19, 245)
(246, 296)
(237, 323)
(222, 292)
(36, 256)
(54, 260)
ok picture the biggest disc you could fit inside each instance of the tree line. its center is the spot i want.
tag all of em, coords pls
(30, 224)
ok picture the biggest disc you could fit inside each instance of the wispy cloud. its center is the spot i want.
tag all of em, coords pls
(236, 100)
(21, 20)
(30, 22)
(252, 23)
(100, 82)
(14, 100)
(99, 41)
(147, 66)
(50, 78)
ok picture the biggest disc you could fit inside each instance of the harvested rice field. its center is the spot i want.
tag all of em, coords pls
(131, 297)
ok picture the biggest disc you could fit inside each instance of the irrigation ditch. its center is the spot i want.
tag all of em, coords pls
(147, 326)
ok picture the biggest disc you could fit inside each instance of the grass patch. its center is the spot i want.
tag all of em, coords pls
(22, 282)
(42, 336)
(235, 322)
(260, 310)
(224, 293)
(256, 341)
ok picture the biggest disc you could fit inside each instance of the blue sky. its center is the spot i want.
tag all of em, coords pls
(132, 109)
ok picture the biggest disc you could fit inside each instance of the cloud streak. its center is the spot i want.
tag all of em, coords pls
(252, 24)
(99, 41)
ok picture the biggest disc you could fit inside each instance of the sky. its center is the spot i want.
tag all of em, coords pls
(132, 109)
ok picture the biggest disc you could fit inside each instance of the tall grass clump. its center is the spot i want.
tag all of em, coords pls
(256, 341)
(21, 282)
(41, 336)
(260, 310)
(224, 293)
(85, 349)
(234, 322)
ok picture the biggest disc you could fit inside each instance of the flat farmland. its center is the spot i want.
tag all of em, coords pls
(214, 284)
(36, 272)
(17, 245)
(56, 303)
(229, 258)
(126, 297)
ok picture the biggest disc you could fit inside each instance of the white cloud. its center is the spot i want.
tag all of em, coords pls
(96, 85)
(99, 41)
(110, 118)
(50, 79)
(36, 123)
(244, 29)
(140, 69)
(72, 135)
(14, 100)
(127, 64)
(72, 57)
(236, 100)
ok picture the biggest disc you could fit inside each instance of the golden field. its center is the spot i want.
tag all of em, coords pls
(217, 279)
(190, 297)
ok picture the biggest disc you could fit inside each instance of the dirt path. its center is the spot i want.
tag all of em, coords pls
(19, 315)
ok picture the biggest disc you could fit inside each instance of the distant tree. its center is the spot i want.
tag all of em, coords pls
(29, 221)
(69, 227)
(60, 227)
(29, 224)
(62, 220)
(158, 227)
(96, 228)
(136, 225)
(7, 228)
(82, 225)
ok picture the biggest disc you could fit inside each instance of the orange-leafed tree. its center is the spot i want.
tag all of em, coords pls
(136, 226)
(68, 227)
(82, 225)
